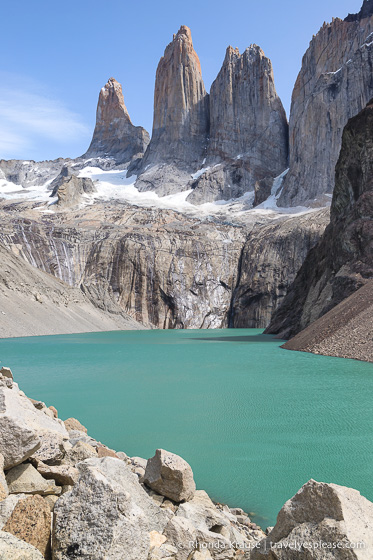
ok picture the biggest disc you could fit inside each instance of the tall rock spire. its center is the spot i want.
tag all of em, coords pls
(181, 112)
(115, 135)
(248, 128)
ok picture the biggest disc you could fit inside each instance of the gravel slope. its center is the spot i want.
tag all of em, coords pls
(346, 331)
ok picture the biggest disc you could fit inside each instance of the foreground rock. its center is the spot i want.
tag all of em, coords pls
(341, 262)
(30, 521)
(339, 517)
(12, 548)
(108, 512)
(24, 430)
(25, 479)
(171, 476)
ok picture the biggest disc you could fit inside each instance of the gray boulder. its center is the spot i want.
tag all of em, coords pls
(107, 511)
(12, 548)
(171, 476)
(24, 429)
(321, 522)
(26, 479)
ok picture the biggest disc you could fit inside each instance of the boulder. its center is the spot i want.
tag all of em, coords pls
(62, 474)
(3, 485)
(53, 448)
(8, 505)
(171, 476)
(30, 521)
(77, 435)
(105, 452)
(12, 548)
(107, 510)
(54, 411)
(26, 479)
(23, 428)
(6, 372)
(79, 452)
(321, 522)
(74, 424)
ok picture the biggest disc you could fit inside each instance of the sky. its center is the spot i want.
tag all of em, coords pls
(56, 56)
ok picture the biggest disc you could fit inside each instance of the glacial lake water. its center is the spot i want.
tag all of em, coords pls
(254, 421)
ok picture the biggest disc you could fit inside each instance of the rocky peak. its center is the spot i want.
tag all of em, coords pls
(181, 112)
(111, 103)
(114, 135)
(366, 11)
(333, 85)
(248, 127)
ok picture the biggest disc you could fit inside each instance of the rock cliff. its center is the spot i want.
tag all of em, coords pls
(248, 128)
(181, 117)
(342, 261)
(334, 84)
(163, 268)
(115, 136)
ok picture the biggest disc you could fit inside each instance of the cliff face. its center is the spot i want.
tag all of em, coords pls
(334, 84)
(114, 135)
(219, 145)
(181, 115)
(248, 127)
(342, 261)
(162, 268)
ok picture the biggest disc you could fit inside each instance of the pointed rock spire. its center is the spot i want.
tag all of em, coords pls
(181, 110)
(115, 135)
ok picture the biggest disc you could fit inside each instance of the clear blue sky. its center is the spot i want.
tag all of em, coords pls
(55, 57)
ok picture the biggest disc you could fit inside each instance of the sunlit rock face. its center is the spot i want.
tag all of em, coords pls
(115, 136)
(334, 84)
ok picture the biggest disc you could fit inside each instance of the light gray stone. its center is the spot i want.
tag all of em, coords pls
(107, 509)
(79, 452)
(321, 512)
(23, 428)
(171, 476)
(26, 479)
(12, 548)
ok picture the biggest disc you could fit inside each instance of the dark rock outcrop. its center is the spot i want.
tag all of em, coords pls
(248, 128)
(334, 84)
(366, 11)
(115, 136)
(181, 117)
(71, 189)
(342, 261)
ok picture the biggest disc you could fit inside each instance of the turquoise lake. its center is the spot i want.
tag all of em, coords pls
(254, 421)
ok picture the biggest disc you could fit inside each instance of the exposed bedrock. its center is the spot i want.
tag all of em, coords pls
(167, 270)
(334, 84)
(342, 261)
(181, 117)
(115, 136)
(248, 128)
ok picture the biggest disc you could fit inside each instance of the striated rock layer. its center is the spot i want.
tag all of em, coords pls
(248, 128)
(342, 261)
(334, 84)
(165, 269)
(114, 135)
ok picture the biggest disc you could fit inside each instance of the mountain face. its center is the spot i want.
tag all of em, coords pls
(218, 145)
(115, 135)
(181, 116)
(342, 261)
(334, 84)
(248, 128)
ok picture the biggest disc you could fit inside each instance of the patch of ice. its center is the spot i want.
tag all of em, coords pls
(198, 174)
